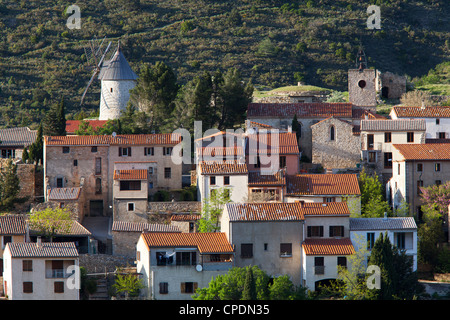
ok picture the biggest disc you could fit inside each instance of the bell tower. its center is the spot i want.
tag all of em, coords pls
(362, 87)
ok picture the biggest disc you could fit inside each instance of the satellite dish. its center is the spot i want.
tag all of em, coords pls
(199, 268)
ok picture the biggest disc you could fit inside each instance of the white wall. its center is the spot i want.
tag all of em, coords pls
(238, 186)
(112, 103)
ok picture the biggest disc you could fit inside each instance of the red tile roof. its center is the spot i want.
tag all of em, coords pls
(322, 184)
(185, 217)
(57, 194)
(258, 179)
(128, 139)
(12, 225)
(419, 112)
(73, 125)
(326, 209)
(46, 250)
(431, 151)
(302, 110)
(215, 242)
(262, 143)
(223, 167)
(126, 226)
(322, 247)
(220, 151)
(131, 174)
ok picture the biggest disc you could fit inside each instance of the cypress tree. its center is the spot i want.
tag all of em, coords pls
(249, 292)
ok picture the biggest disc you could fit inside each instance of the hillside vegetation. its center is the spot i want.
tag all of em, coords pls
(273, 43)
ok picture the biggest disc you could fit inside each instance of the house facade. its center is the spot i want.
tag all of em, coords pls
(41, 271)
(174, 265)
(13, 228)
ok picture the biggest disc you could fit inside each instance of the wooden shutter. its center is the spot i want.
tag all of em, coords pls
(120, 151)
(183, 287)
(129, 151)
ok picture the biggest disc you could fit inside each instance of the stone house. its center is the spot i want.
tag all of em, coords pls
(437, 119)
(335, 144)
(378, 136)
(401, 231)
(416, 166)
(71, 198)
(14, 140)
(362, 87)
(185, 222)
(40, 271)
(289, 238)
(125, 235)
(266, 187)
(174, 265)
(90, 161)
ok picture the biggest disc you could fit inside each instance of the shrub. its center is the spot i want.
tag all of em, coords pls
(161, 195)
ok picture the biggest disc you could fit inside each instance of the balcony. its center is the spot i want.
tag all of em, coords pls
(57, 274)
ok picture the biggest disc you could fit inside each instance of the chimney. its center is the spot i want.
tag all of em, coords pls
(39, 242)
(385, 218)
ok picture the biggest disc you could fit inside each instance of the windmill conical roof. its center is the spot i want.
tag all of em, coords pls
(117, 68)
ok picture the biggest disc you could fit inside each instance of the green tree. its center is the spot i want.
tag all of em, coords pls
(25, 155)
(212, 209)
(296, 126)
(282, 288)
(249, 292)
(54, 122)
(37, 147)
(128, 284)
(51, 221)
(9, 185)
(372, 200)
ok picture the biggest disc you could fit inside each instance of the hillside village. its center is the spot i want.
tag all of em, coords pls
(288, 192)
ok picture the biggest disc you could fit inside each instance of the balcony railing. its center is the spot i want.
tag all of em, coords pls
(57, 273)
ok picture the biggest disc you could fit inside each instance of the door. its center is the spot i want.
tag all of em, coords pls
(96, 208)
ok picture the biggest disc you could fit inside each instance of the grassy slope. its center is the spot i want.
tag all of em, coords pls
(318, 40)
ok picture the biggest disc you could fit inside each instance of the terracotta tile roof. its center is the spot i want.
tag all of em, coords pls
(360, 113)
(223, 167)
(390, 223)
(419, 112)
(262, 143)
(131, 174)
(254, 124)
(224, 134)
(220, 151)
(322, 184)
(126, 226)
(302, 110)
(215, 242)
(128, 139)
(56, 194)
(17, 137)
(323, 247)
(258, 179)
(326, 209)
(277, 211)
(12, 225)
(47, 250)
(73, 125)
(393, 125)
(74, 228)
(431, 151)
(185, 217)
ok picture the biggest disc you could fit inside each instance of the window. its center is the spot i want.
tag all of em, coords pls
(419, 167)
(410, 137)
(163, 288)
(401, 240)
(246, 250)
(437, 167)
(266, 246)
(226, 180)
(167, 151)
(388, 160)
(98, 166)
(130, 206)
(75, 163)
(94, 149)
(27, 287)
(370, 142)
(329, 199)
(111, 89)
(130, 185)
(315, 231)
(27, 265)
(59, 182)
(124, 151)
(6, 239)
(58, 286)
(441, 135)
(370, 240)
(372, 156)
(186, 258)
(167, 173)
(150, 170)
(138, 256)
(387, 137)
(285, 249)
(149, 151)
(212, 180)
(336, 231)
(319, 267)
(162, 259)
(258, 162)
(362, 84)
(188, 287)
(150, 185)
(342, 261)
(398, 168)
(419, 185)
(98, 186)
(282, 161)
(332, 133)
(66, 150)
(438, 121)
(438, 182)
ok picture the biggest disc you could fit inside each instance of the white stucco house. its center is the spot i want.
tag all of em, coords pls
(402, 232)
(41, 271)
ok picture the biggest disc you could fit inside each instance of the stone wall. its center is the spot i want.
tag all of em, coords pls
(342, 152)
(175, 207)
(395, 85)
(362, 87)
(97, 263)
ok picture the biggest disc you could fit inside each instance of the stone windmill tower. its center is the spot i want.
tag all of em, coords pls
(117, 79)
